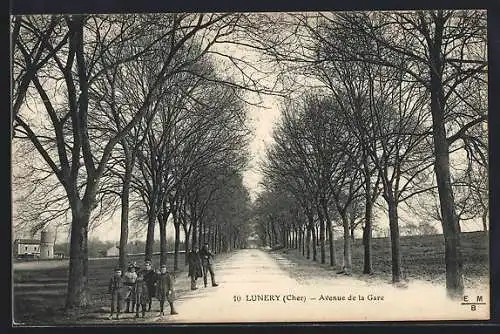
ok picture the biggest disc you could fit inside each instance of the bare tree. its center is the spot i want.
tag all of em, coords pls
(76, 65)
(447, 50)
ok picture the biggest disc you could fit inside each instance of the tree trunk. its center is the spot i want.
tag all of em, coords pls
(77, 294)
(299, 240)
(394, 232)
(485, 221)
(316, 233)
(296, 238)
(275, 235)
(176, 245)
(200, 234)
(150, 237)
(269, 233)
(186, 243)
(290, 238)
(308, 241)
(314, 241)
(163, 242)
(331, 244)
(302, 242)
(450, 223)
(194, 233)
(162, 221)
(367, 236)
(347, 259)
(283, 236)
(221, 236)
(214, 238)
(124, 216)
(331, 238)
(322, 237)
(282, 233)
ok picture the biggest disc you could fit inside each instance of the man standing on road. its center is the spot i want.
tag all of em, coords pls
(206, 260)
(195, 266)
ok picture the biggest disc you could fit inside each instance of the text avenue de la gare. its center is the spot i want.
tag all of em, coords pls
(295, 298)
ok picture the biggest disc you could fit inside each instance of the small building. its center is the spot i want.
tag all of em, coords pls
(33, 248)
(27, 248)
(113, 251)
(46, 245)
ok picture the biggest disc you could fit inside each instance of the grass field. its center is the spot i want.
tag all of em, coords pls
(40, 289)
(422, 257)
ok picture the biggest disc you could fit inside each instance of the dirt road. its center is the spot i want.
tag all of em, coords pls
(255, 287)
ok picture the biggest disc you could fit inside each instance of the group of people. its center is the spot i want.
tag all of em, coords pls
(200, 263)
(138, 287)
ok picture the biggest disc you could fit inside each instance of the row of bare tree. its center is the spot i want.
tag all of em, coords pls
(129, 112)
(393, 104)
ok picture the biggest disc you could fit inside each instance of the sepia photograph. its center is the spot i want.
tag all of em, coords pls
(249, 167)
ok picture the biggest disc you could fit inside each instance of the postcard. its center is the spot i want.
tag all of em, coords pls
(285, 167)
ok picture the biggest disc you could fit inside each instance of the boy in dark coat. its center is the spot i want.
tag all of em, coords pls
(195, 267)
(116, 290)
(165, 289)
(150, 277)
(141, 295)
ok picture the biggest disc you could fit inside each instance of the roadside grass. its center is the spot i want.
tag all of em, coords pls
(39, 294)
(422, 258)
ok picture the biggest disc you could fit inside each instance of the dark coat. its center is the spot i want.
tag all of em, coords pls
(150, 277)
(141, 292)
(165, 284)
(206, 256)
(116, 286)
(195, 267)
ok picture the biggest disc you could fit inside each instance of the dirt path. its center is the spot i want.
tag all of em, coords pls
(255, 286)
(262, 286)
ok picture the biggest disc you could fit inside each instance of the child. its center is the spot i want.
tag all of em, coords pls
(141, 294)
(150, 277)
(129, 279)
(116, 291)
(165, 290)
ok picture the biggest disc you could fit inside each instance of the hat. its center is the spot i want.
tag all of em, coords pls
(147, 262)
(133, 265)
(118, 269)
(163, 266)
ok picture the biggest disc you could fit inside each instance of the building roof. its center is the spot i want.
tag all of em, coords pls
(27, 241)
